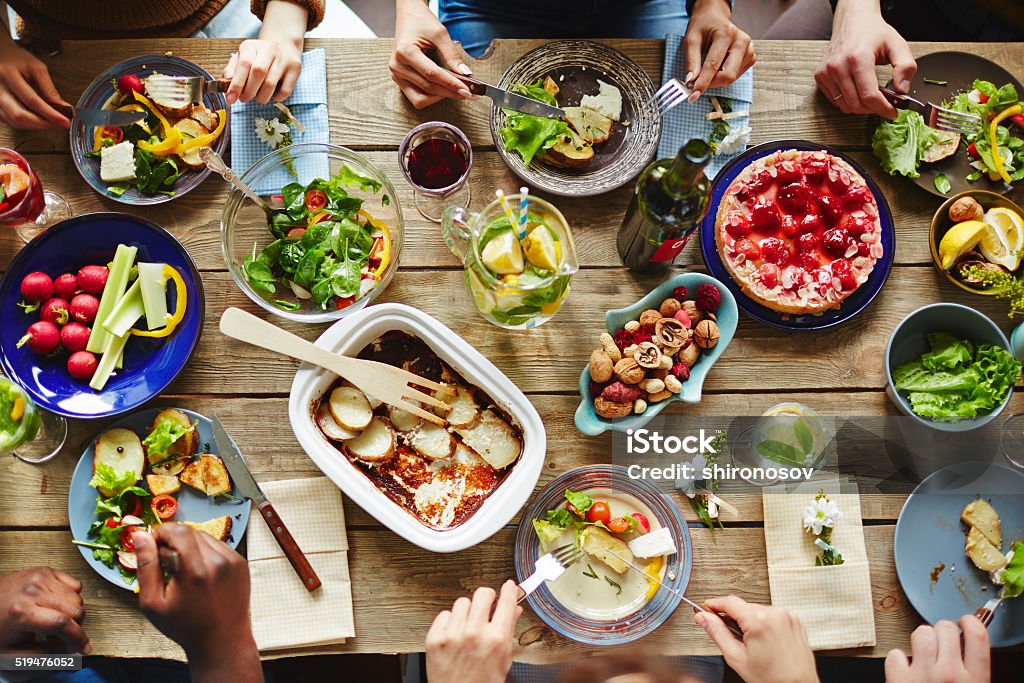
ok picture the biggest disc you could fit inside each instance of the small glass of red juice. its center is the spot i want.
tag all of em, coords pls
(24, 204)
(435, 158)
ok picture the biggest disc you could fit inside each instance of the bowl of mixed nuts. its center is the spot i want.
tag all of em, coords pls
(657, 351)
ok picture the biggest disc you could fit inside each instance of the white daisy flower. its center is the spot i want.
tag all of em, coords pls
(688, 484)
(271, 131)
(820, 514)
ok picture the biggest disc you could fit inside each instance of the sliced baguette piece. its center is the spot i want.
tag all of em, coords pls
(982, 516)
(432, 441)
(330, 427)
(163, 484)
(550, 86)
(190, 128)
(206, 117)
(167, 108)
(983, 554)
(403, 420)
(121, 450)
(376, 443)
(350, 408)
(193, 476)
(493, 439)
(571, 151)
(591, 125)
(945, 145)
(219, 528)
(182, 448)
(463, 410)
(216, 481)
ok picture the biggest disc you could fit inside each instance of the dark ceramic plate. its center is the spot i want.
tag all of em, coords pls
(854, 303)
(576, 65)
(959, 70)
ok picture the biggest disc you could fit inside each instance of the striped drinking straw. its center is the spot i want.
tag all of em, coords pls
(524, 199)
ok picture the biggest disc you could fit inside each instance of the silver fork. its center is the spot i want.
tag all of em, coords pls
(986, 613)
(550, 566)
(937, 117)
(182, 90)
(672, 93)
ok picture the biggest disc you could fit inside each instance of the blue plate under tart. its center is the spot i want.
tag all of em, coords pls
(150, 365)
(854, 303)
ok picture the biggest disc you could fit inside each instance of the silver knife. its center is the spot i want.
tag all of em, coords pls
(510, 100)
(729, 621)
(103, 117)
(247, 486)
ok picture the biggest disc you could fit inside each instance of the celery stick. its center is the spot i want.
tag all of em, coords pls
(119, 363)
(154, 294)
(117, 282)
(127, 311)
(111, 352)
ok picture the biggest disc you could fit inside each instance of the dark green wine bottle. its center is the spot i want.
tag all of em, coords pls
(670, 201)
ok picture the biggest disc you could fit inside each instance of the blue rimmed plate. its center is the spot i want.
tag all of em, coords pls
(193, 505)
(97, 94)
(150, 365)
(853, 304)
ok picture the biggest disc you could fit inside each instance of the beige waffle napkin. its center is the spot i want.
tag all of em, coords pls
(284, 614)
(833, 603)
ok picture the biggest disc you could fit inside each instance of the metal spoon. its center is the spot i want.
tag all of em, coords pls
(215, 163)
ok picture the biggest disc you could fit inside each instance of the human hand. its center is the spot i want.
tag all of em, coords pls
(205, 604)
(860, 40)
(41, 601)
(424, 82)
(936, 655)
(28, 97)
(774, 648)
(467, 643)
(729, 51)
(268, 67)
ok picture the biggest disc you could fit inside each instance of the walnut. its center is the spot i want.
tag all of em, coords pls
(660, 396)
(706, 334)
(639, 406)
(632, 326)
(610, 410)
(669, 307)
(648, 356)
(652, 385)
(609, 346)
(692, 312)
(601, 366)
(649, 317)
(673, 384)
(617, 392)
(689, 355)
(966, 209)
(629, 371)
(671, 333)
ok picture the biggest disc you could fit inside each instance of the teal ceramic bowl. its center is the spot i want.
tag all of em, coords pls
(587, 420)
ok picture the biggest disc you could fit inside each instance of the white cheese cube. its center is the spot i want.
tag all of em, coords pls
(607, 101)
(655, 544)
(117, 163)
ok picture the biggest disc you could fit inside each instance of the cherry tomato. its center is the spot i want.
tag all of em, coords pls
(972, 151)
(344, 302)
(644, 523)
(112, 523)
(599, 512)
(132, 505)
(316, 199)
(128, 539)
(573, 509)
(619, 525)
(112, 132)
(982, 97)
(295, 234)
(164, 506)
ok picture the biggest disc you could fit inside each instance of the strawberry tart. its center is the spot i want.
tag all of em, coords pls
(799, 231)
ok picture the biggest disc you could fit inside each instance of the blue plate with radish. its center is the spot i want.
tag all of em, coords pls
(99, 314)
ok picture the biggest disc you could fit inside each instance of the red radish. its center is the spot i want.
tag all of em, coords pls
(66, 286)
(127, 560)
(132, 519)
(84, 308)
(295, 234)
(42, 338)
(82, 365)
(92, 279)
(642, 519)
(55, 311)
(37, 287)
(345, 302)
(129, 83)
(74, 336)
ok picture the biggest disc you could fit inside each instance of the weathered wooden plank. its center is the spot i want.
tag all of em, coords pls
(383, 565)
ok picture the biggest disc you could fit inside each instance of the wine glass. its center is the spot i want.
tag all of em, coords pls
(1011, 439)
(435, 158)
(24, 203)
(30, 434)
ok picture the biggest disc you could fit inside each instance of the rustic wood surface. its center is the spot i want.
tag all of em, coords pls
(839, 372)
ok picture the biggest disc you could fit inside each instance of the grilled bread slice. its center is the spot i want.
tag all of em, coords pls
(207, 474)
(493, 439)
(171, 109)
(550, 86)
(121, 450)
(593, 126)
(375, 444)
(983, 517)
(571, 151)
(219, 528)
(191, 128)
(160, 484)
(983, 554)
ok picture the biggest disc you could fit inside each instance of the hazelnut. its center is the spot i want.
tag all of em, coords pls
(610, 410)
(688, 355)
(601, 366)
(660, 396)
(632, 326)
(649, 317)
(652, 385)
(648, 356)
(706, 334)
(966, 209)
(629, 371)
(692, 312)
(639, 406)
(673, 384)
(609, 346)
(671, 333)
(669, 307)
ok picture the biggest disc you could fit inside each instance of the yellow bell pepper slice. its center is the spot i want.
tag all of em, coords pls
(173, 319)
(144, 101)
(317, 217)
(385, 258)
(18, 409)
(653, 571)
(165, 147)
(205, 140)
(997, 158)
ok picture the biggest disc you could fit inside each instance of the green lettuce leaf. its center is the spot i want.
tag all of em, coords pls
(529, 135)
(547, 532)
(535, 91)
(915, 376)
(107, 478)
(899, 145)
(160, 440)
(1013, 573)
(947, 352)
(579, 500)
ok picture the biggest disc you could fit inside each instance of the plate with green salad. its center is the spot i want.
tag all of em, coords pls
(944, 163)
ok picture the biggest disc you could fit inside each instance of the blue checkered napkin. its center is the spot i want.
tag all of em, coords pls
(687, 121)
(308, 104)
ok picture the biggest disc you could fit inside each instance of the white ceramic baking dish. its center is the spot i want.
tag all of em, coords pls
(349, 336)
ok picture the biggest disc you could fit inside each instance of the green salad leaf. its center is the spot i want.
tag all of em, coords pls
(529, 135)
(579, 500)
(106, 477)
(166, 434)
(547, 532)
(899, 145)
(1013, 572)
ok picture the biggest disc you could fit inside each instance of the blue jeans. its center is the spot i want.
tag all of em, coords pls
(235, 20)
(474, 23)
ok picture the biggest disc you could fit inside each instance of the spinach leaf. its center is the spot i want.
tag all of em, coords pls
(294, 196)
(280, 224)
(308, 267)
(291, 254)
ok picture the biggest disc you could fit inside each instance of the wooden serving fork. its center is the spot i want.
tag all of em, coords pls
(383, 382)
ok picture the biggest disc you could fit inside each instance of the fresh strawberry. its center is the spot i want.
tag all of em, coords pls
(842, 269)
(794, 197)
(761, 182)
(750, 250)
(790, 226)
(816, 170)
(786, 173)
(808, 242)
(830, 210)
(834, 242)
(840, 184)
(774, 250)
(856, 198)
(737, 225)
(765, 217)
(768, 275)
(810, 223)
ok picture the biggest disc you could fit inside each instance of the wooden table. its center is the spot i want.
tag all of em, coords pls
(397, 587)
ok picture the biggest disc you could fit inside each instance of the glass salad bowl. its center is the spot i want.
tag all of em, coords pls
(677, 567)
(330, 248)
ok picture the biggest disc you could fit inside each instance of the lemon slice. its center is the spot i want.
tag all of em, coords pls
(540, 249)
(959, 240)
(1010, 228)
(503, 254)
